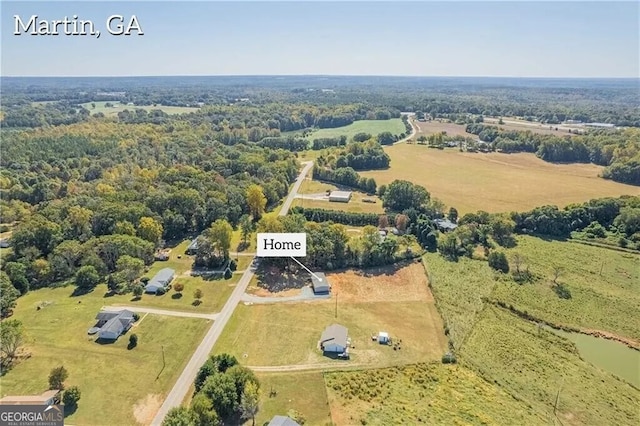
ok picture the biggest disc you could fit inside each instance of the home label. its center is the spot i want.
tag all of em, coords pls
(281, 244)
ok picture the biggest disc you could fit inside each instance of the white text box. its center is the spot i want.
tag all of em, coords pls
(281, 244)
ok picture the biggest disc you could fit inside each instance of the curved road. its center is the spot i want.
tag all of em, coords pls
(414, 130)
(188, 375)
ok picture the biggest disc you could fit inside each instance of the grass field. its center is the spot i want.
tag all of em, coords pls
(423, 394)
(496, 182)
(355, 205)
(302, 392)
(118, 107)
(373, 127)
(605, 289)
(410, 317)
(108, 375)
(535, 365)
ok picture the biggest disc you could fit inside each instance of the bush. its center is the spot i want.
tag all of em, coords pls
(562, 291)
(449, 358)
(233, 265)
(178, 287)
(622, 242)
(145, 280)
(57, 377)
(70, 397)
(133, 341)
(136, 316)
(228, 274)
(498, 261)
(160, 291)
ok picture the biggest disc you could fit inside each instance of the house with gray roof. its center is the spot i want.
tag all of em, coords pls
(112, 324)
(283, 421)
(192, 248)
(334, 339)
(161, 280)
(445, 225)
(319, 283)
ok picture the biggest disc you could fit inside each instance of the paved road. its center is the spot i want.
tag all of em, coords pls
(181, 387)
(413, 132)
(160, 311)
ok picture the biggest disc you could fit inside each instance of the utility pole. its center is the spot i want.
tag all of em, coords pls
(336, 305)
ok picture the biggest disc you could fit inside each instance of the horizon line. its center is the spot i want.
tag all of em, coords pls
(329, 75)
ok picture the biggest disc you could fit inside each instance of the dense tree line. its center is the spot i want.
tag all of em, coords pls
(289, 143)
(321, 143)
(362, 156)
(345, 176)
(337, 216)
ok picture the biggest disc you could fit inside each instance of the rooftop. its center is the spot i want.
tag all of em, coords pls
(340, 194)
(319, 281)
(29, 399)
(335, 333)
(282, 421)
(162, 277)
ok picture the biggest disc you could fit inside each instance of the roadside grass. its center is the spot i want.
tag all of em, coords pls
(423, 394)
(303, 392)
(496, 182)
(604, 286)
(258, 333)
(310, 186)
(458, 288)
(118, 107)
(108, 375)
(373, 127)
(541, 368)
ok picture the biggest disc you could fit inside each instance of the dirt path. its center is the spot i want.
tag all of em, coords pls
(304, 367)
(210, 316)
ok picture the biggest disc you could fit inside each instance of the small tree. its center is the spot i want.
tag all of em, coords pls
(57, 377)
(138, 290)
(383, 221)
(197, 295)
(11, 338)
(250, 401)
(71, 397)
(228, 274)
(87, 277)
(178, 287)
(133, 341)
(498, 261)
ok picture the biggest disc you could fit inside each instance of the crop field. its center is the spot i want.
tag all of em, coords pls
(496, 182)
(108, 375)
(373, 127)
(423, 394)
(301, 391)
(604, 286)
(118, 107)
(510, 123)
(539, 368)
(414, 320)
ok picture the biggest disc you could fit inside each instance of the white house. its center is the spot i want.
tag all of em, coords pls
(161, 280)
(114, 323)
(334, 339)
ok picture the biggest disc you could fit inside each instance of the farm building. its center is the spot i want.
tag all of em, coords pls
(340, 196)
(161, 280)
(320, 283)
(282, 421)
(112, 324)
(445, 225)
(383, 337)
(334, 339)
(49, 397)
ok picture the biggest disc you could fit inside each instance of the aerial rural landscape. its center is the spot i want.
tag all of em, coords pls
(471, 245)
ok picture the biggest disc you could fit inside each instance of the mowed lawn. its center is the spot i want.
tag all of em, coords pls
(373, 127)
(118, 386)
(496, 182)
(304, 392)
(118, 107)
(288, 333)
(356, 204)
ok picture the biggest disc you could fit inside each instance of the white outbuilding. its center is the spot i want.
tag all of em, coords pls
(383, 337)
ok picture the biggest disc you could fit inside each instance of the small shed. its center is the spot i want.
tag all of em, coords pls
(383, 337)
(340, 196)
(320, 283)
(334, 339)
(161, 280)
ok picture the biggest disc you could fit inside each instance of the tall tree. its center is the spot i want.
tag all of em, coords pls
(8, 295)
(181, 416)
(246, 227)
(256, 201)
(11, 338)
(150, 230)
(250, 401)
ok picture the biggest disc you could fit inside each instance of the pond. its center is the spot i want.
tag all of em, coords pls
(610, 355)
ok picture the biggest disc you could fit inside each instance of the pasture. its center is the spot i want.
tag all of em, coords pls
(373, 127)
(258, 333)
(108, 375)
(423, 394)
(100, 106)
(543, 369)
(604, 286)
(496, 182)
(313, 188)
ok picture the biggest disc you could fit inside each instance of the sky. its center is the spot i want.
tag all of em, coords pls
(418, 38)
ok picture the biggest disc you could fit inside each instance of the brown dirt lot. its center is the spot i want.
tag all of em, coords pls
(427, 128)
(384, 284)
(146, 409)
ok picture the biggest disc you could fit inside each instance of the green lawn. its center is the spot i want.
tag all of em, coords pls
(534, 365)
(373, 127)
(116, 383)
(118, 107)
(252, 330)
(302, 392)
(604, 285)
(433, 394)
